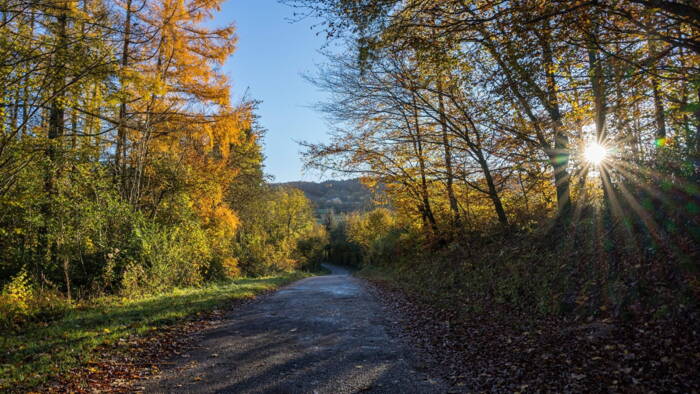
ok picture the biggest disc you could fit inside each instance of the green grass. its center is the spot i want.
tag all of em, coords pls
(39, 352)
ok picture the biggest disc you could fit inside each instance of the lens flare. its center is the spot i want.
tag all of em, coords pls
(595, 153)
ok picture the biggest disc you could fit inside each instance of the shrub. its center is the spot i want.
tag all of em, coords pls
(231, 268)
(166, 257)
(273, 225)
(21, 302)
(377, 233)
(15, 300)
(312, 249)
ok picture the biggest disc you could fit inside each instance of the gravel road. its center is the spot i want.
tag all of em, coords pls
(325, 334)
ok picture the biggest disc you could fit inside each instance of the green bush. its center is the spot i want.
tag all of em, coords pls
(166, 257)
(375, 235)
(312, 249)
(278, 233)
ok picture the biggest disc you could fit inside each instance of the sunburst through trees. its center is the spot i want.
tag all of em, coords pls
(575, 120)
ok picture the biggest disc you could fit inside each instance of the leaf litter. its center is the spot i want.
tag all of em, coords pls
(502, 351)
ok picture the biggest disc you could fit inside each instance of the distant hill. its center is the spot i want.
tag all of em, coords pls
(335, 196)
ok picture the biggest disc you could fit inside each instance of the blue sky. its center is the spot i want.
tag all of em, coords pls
(272, 55)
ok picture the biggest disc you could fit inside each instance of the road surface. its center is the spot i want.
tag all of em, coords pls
(325, 334)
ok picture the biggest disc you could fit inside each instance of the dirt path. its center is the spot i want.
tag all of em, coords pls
(325, 334)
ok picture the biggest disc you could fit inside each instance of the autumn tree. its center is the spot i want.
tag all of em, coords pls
(124, 162)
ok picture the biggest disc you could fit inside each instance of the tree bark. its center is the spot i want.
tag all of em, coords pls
(493, 191)
(421, 165)
(55, 131)
(454, 207)
(120, 154)
(66, 277)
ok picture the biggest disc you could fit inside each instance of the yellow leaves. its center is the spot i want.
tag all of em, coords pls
(221, 221)
(231, 268)
(17, 293)
(89, 245)
(366, 228)
(209, 181)
(158, 87)
(227, 218)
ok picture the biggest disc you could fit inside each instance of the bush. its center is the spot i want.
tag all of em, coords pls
(15, 300)
(21, 302)
(166, 257)
(278, 233)
(231, 268)
(376, 233)
(312, 249)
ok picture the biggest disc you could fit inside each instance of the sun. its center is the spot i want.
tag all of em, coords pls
(595, 153)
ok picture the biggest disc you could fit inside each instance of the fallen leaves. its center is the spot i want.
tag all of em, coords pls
(118, 365)
(502, 351)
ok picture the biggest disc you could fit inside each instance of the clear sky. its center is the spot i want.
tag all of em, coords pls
(272, 55)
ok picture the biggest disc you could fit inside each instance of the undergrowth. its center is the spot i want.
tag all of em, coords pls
(538, 274)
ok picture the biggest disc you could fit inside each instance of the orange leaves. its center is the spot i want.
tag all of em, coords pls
(196, 104)
(189, 51)
(217, 217)
(194, 120)
(229, 130)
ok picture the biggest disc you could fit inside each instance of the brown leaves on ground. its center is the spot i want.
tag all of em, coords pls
(120, 365)
(506, 353)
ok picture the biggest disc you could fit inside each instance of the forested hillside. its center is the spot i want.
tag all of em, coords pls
(333, 196)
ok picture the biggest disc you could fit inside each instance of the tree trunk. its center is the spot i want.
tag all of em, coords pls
(600, 107)
(695, 155)
(525, 197)
(120, 154)
(421, 165)
(26, 88)
(559, 159)
(55, 130)
(659, 113)
(66, 277)
(493, 192)
(454, 207)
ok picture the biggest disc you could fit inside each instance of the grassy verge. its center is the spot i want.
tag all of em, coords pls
(42, 351)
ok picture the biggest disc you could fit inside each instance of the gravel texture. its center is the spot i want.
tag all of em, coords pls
(325, 334)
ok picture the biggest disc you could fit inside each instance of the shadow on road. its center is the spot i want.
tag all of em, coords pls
(325, 334)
